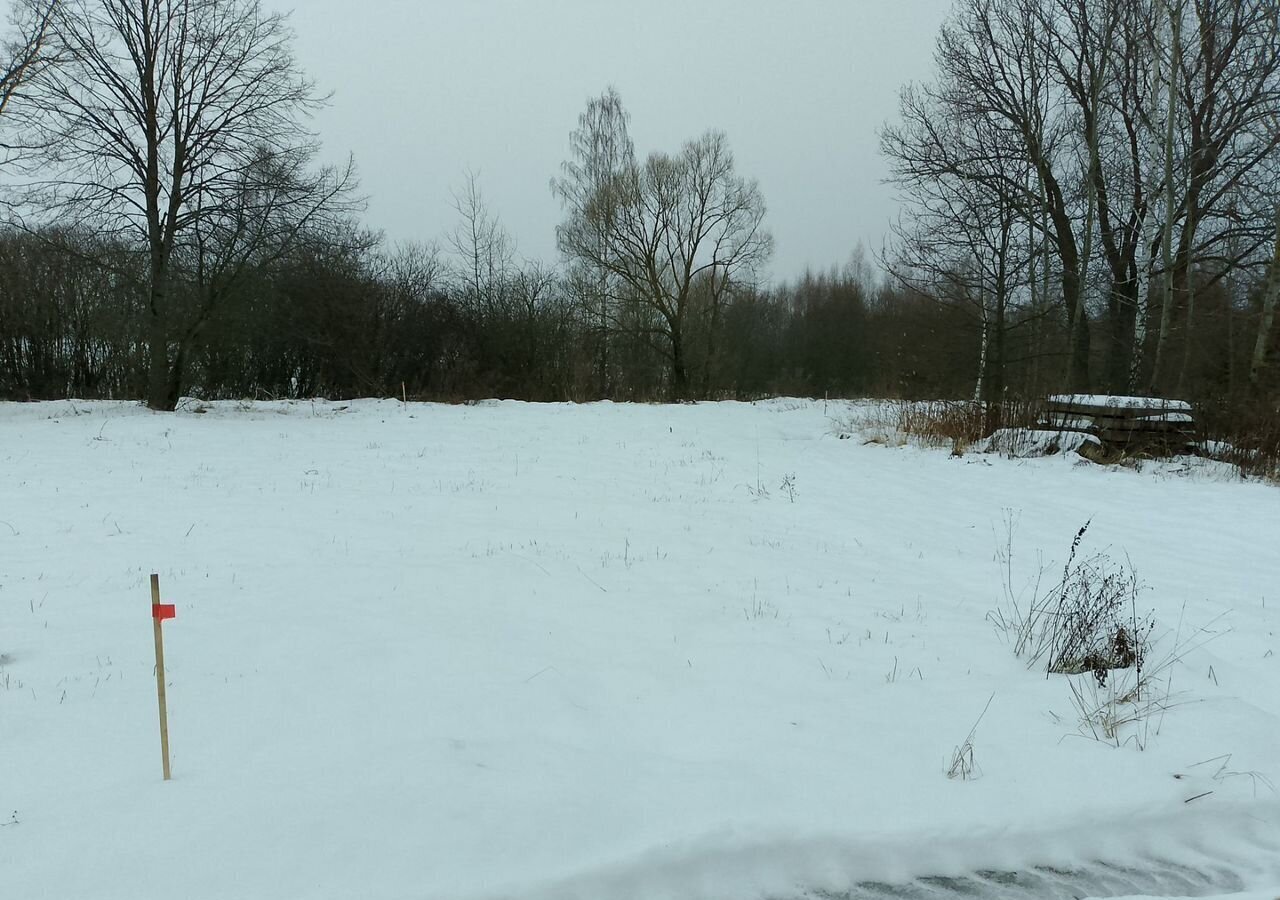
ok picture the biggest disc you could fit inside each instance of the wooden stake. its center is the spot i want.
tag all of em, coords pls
(164, 707)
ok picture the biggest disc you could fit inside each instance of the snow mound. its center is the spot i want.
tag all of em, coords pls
(1019, 443)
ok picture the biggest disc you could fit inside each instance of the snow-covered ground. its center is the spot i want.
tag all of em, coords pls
(507, 650)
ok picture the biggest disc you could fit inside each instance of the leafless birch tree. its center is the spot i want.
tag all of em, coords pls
(601, 150)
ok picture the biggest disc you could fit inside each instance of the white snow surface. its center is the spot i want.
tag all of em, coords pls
(1180, 417)
(1119, 402)
(557, 651)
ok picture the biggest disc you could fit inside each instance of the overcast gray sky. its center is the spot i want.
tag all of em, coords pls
(425, 90)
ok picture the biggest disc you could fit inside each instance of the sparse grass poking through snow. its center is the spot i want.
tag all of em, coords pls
(788, 486)
(759, 608)
(1222, 773)
(1106, 712)
(963, 763)
(1129, 707)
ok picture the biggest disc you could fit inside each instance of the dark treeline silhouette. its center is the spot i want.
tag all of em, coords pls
(352, 317)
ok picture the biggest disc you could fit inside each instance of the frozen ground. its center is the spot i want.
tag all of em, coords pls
(601, 652)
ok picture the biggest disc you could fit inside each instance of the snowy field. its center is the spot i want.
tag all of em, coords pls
(604, 651)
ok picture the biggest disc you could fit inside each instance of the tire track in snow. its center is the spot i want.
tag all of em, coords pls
(1175, 855)
(1153, 877)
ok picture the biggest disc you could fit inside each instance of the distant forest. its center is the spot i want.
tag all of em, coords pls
(1090, 201)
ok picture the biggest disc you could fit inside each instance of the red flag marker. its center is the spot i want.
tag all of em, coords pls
(163, 611)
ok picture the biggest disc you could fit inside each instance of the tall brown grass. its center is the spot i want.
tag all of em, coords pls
(958, 424)
(1245, 433)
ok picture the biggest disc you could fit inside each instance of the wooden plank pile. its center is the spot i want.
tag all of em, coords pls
(1130, 424)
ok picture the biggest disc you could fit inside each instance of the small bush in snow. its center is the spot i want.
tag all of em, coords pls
(1086, 622)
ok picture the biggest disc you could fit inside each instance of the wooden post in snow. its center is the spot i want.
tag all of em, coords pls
(160, 612)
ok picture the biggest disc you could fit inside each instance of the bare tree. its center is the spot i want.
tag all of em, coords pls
(994, 82)
(966, 240)
(1101, 53)
(27, 48)
(1111, 105)
(601, 150)
(179, 126)
(1227, 74)
(669, 231)
(483, 251)
(1271, 296)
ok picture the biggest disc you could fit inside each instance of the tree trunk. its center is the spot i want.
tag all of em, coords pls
(679, 368)
(164, 375)
(1188, 341)
(1166, 304)
(606, 388)
(713, 328)
(1122, 311)
(980, 391)
(1072, 286)
(1142, 309)
(158, 374)
(1078, 339)
(1269, 298)
(177, 369)
(995, 365)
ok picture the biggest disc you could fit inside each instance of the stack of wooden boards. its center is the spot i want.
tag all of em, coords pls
(1130, 424)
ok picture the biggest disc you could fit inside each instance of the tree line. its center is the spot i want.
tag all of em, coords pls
(1090, 202)
(1109, 169)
